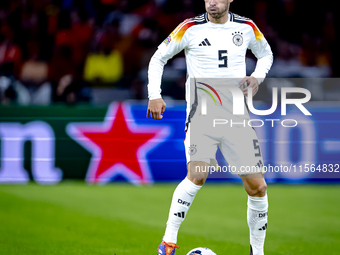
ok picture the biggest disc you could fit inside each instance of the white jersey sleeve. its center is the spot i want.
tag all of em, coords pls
(171, 46)
(262, 51)
(211, 51)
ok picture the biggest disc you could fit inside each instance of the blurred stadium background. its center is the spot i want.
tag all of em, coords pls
(97, 51)
(73, 98)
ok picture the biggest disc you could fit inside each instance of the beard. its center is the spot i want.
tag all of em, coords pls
(219, 13)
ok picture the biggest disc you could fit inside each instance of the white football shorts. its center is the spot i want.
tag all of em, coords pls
(239, 146)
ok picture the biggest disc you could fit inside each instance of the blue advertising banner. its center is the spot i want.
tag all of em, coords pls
(118, 143)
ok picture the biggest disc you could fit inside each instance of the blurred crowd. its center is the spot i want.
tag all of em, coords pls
(97, 51)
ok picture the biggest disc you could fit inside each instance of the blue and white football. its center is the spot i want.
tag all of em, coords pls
(201, 251)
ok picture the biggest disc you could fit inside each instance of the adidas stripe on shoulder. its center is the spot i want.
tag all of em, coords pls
(180, 30)
(243, 20)
(201, 19)
(238, 17)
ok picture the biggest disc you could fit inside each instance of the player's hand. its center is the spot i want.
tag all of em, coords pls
(156, 107)
(252, 83)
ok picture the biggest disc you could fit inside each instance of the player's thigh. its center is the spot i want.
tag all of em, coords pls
(200, 150)
(199, 147)
(242, 151)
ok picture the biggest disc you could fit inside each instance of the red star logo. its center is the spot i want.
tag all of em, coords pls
(118, 145)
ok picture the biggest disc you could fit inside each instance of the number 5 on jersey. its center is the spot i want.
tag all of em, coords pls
(222, 56)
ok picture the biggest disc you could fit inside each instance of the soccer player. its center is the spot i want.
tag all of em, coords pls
(215, 44)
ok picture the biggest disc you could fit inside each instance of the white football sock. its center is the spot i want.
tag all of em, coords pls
(257, 215)
(182, 199)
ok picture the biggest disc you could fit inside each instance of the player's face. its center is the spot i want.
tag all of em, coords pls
(217, 8)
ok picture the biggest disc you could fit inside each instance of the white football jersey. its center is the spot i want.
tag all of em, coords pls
(215, 50)
(212, 51)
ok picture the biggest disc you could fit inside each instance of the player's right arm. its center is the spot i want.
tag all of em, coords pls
(172, 45)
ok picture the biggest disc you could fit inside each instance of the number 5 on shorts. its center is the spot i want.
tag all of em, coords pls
(257, 147)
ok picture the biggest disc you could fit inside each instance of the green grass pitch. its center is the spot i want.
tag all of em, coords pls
(75, 218)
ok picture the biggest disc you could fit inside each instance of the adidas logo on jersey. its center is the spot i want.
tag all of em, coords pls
(205, 42)
(180, 214)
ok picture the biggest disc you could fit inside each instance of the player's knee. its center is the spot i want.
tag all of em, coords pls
(258, 191)
(197, 173)
(198, 181)
(262, 189)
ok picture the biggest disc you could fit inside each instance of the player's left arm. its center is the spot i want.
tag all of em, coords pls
(251, 82)
(262, 51)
